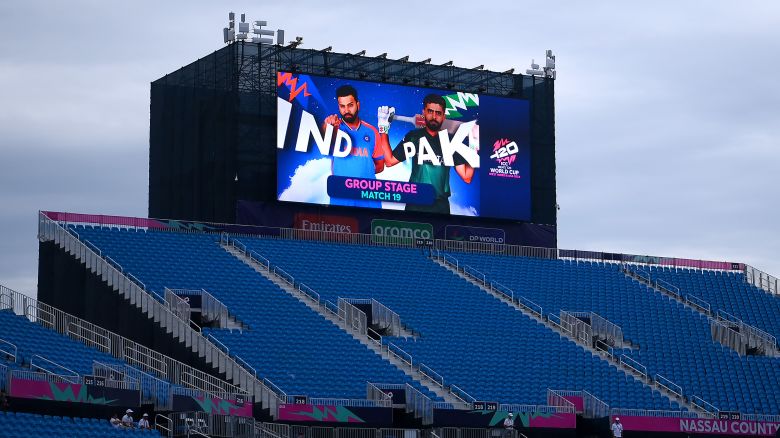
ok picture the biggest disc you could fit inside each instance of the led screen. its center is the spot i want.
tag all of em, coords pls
(384, 146)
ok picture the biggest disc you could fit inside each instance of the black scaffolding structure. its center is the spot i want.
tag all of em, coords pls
(213, 123)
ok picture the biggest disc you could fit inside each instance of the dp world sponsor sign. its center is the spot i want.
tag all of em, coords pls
(474, 234)
(400, 231)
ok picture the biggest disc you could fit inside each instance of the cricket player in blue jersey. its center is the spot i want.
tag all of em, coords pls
(366, 158)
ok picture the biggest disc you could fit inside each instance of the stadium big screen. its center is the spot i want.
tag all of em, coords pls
(376, 145)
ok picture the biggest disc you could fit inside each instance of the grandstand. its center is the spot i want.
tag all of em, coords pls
(430, 330)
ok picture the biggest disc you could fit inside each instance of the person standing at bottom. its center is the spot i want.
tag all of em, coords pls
(509, 425)
(617, 428)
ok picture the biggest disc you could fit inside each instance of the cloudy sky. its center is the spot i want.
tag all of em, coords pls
(668, 115)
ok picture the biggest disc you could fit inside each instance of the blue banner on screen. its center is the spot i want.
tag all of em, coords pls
(377, 190)
(392, 147)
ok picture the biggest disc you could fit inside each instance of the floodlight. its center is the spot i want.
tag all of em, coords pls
(404, 59)
(510, 71)
(361, 53)
(447, 64)
(426, 61)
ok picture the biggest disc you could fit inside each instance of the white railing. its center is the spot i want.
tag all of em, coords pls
(431, 374)
(594, 406)
(418, 403)
(605, 348)
(622, 412)
(555, 398)
(704, 405)
(311, 293)
(375, 391)
(698, 303)
(668, 385)
(164, 425)
(581, 330)
(400, 354)
(634, 365)
(44, 376)
(760, 417)
(669, 287)
(4, 377)
(503, 290)
(385, 318)
(49, 366)
(462, 395)
(140, 297)
(112, 372)
(475, 274)
(179, 305)
(762, 280)
(353, 317)
(750, 336)
(612, 332)
(8, 349)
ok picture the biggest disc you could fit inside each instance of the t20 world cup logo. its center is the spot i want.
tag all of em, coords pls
(505, 153)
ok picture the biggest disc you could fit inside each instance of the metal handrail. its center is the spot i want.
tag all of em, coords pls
(43, 376)
(603, 346)
(475, 274)
(72, 374)
(500, 288)
(623, 412)
(284, 275)
(245, 364)
(704, 405)
(219, 343)
(9, 353)
(277, 390)
(78, 334)
(450, 262)
(698, 303)
(399, 352)
(668, 385)
(668, 286)
(168, 429)
(762, 280)
(431, 374)
(634, 365)
(262, 260)
(530, 305)
(462, 395)
(311, 293)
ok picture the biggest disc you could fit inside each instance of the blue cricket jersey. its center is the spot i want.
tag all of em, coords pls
(359, 163)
